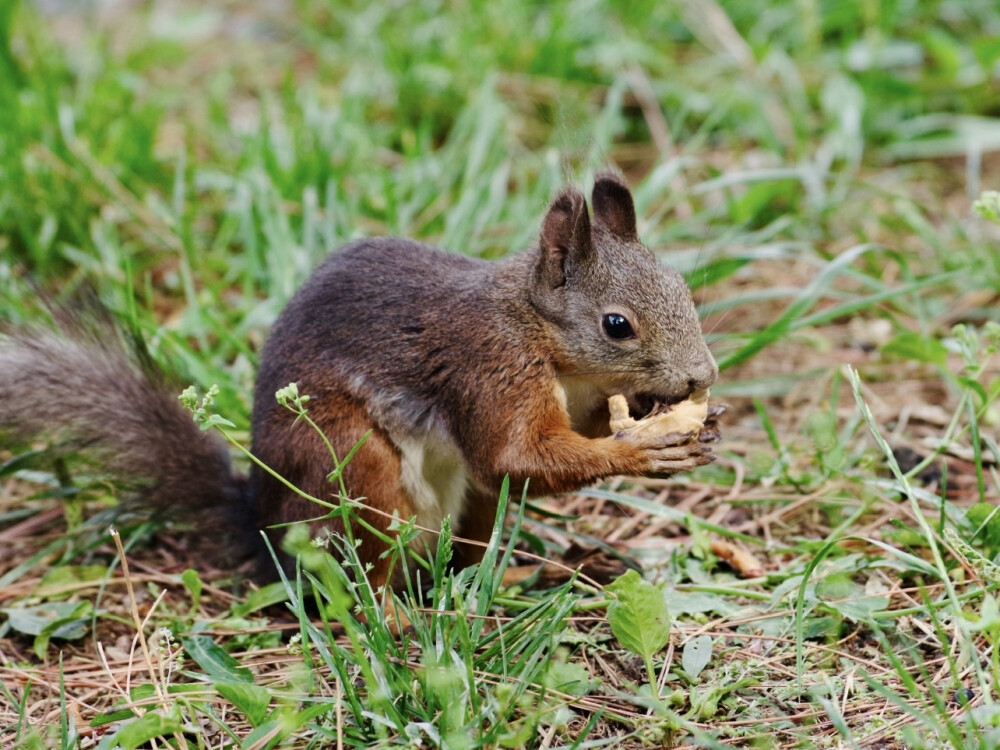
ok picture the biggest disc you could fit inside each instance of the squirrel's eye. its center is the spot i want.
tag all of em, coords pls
(617, 326)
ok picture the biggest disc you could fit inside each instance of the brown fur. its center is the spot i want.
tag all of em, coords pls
(413, 342)
(464, 371)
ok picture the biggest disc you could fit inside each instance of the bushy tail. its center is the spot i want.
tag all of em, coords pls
(85, 388)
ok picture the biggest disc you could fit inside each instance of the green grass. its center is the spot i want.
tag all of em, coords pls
(809, 165)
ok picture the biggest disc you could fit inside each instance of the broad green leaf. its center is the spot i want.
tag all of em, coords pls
(696, 602)
(66, 575)
(282, 724)
(214, 420)
(67, 620)
(252, 700)
(836, 584)
(571, 678)
(147, 727)
(265, 596)
(212, 658)
(192, 582)
(821, 627)
(36, 620)
(696, 655)
(109, 718)
(861, 609)
(849, 600)
(638, 616)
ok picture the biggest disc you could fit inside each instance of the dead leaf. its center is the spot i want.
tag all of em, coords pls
(738, 558)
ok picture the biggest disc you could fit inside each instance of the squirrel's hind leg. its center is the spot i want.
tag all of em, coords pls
(296, 452)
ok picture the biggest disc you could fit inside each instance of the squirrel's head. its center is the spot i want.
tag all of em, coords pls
(620, 319)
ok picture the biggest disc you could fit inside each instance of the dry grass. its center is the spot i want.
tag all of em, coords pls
(216, 153)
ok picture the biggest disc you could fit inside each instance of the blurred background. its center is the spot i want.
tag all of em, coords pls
(200, 158)
(810, 165)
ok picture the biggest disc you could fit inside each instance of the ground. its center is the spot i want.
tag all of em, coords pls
(811, 167)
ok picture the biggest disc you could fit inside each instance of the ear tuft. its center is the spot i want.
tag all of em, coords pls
(565, 239)
(613, 206)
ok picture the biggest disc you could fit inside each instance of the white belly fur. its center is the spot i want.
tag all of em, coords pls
(578, 397)
(434, 475)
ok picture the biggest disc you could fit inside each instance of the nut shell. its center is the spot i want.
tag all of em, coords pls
(685, 416)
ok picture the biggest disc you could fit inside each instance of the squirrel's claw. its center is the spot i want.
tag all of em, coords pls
(716, 410)
(675, 438)
(710, 434)
(663, 469)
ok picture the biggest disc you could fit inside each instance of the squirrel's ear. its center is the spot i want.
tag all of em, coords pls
(613, 207)
(565, 240)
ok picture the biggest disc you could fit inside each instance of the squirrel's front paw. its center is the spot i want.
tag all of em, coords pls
(669, 441)
(663, 455)
(710, 433)
(674, 458)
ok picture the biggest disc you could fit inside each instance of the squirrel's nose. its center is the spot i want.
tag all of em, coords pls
(703, 376)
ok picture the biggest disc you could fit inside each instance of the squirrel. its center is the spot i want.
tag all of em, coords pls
(461, 371)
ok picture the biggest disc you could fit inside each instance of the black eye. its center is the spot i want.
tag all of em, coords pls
(617, 326)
